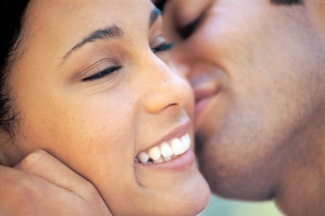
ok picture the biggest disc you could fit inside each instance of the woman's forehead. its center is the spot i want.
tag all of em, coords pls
(53, 27)
(56, 18)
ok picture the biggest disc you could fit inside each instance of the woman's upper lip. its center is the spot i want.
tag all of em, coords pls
(177, 132)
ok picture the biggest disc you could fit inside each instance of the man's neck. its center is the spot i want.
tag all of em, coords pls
(302, 190)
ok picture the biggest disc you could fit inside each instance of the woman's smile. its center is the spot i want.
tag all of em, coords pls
(165, 151)
(175, 143)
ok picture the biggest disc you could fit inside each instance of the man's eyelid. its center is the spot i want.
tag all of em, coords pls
(194, 19)
(188, 29)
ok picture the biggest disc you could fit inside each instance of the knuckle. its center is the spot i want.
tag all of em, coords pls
(29, 161)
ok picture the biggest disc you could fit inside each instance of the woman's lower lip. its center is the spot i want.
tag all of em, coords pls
(179, 163)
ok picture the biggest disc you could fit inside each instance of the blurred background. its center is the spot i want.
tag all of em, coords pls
(223, 207)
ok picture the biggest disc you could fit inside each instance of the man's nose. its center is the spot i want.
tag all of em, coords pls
(190, 63)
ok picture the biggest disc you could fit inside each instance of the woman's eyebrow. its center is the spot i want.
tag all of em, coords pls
(112, 32)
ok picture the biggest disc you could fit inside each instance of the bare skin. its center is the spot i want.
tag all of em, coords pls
(317, 13)
(289, 197)
(257, 70)
(89, 98)
(42, 185)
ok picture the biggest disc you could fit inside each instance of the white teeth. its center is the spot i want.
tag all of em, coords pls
(167, 158)
(143, 157)
(186, 140)
(160, 160)
(154, 153)
(166, 151)
(177, 147)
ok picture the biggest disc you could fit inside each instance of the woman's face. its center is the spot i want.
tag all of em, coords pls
(93, 88)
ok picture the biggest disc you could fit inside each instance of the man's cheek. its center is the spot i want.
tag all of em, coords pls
(316, 10)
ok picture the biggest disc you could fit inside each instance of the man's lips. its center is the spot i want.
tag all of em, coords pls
(202, 98)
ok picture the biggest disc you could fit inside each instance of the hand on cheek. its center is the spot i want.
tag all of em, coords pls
(41, 183)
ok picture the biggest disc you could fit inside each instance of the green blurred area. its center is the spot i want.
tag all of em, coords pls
(223, 207)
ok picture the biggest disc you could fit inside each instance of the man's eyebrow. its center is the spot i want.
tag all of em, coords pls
(155, 13)
(108, 32)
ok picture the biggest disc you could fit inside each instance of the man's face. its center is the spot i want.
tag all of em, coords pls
(257, 71)
(317, 12)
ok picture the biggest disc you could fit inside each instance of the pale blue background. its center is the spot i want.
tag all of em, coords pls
(222, 207)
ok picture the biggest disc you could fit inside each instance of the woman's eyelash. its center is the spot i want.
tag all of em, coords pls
(163, 47)
(102, 73)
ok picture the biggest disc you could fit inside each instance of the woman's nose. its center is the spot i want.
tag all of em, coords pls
(168, 91)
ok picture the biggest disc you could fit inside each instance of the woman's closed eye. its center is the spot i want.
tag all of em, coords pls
(101, 69)
(104, 68)
(102, 74)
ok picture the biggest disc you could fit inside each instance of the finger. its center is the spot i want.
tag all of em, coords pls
(44, 165)
(25, 194)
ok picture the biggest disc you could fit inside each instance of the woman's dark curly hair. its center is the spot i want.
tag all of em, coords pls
(12, 12)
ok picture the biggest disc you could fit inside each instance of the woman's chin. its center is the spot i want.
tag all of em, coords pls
(190, 197)
(164, 195)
